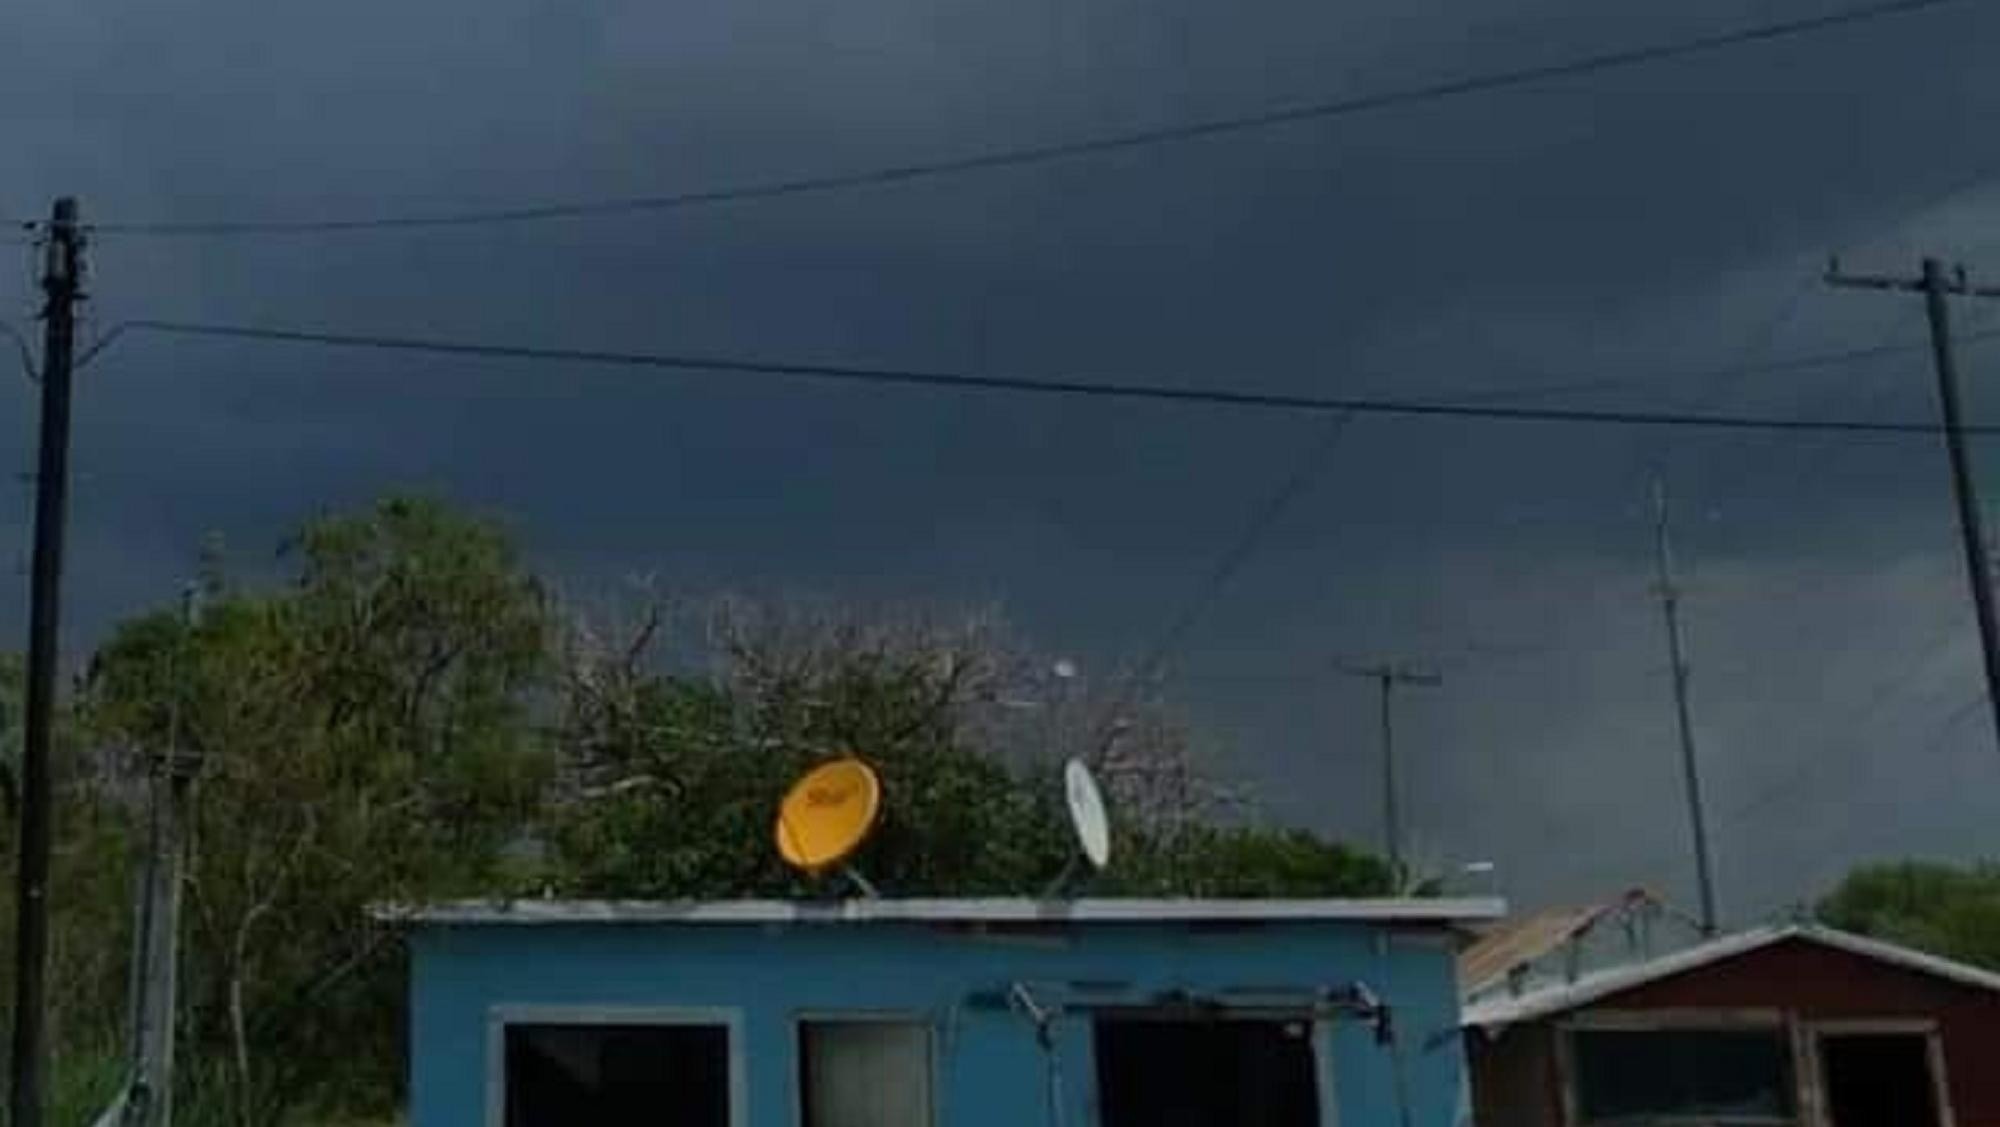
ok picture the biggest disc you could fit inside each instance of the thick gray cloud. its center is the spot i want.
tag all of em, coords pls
(1656, 221)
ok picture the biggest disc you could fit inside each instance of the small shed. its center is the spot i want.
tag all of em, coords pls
(937, 1013)
(1786, 1025)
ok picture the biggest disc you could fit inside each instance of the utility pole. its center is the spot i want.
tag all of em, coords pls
(150, 1100)
(62, 288)
(1935, 285)
(1388, 675)
(1670, 604)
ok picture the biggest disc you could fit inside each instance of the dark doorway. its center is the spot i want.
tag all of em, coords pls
(1878, 1079)
(617, 1075)
(1223, 1073)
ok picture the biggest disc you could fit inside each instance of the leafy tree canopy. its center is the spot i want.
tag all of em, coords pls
(1950, 910)
(411, 714)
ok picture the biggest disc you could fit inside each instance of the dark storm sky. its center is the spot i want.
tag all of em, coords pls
(1651, 223)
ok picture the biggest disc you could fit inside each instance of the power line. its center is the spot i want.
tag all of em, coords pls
(1214, 397)
(28, 369)
(1266, 517)
(1815, 461)
(1807, 767)
(1244, 548)
(1716, 388)
(1068, 150)
(1980, 177)
(1815, 455)
(1881, 830)
(1811, 361)
(1461, 660)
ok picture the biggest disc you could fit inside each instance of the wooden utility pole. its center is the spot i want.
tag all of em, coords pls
(62, 276)
(1388, 675)
(1670, 603)
(1935, 285)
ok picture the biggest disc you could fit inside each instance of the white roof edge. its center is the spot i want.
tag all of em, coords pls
(1000, 910)
(1498, 1013)
(1907, 958)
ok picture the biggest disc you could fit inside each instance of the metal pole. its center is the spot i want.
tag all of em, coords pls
(1979, 570)
(61, 284)
(1670, 598)
(1387, 675)
(155, 1059)
(160, 978)
(1392, 825)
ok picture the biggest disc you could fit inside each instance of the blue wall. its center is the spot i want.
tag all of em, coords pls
(991, 1072)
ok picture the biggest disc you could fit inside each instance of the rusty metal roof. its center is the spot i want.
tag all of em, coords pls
(1511, 944)
(1515, 943)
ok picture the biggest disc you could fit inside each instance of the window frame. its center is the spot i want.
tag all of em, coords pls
(932, 1057)
(1321, 1028)
(1746, 1020)
(1816, 1033)
(498, 1018)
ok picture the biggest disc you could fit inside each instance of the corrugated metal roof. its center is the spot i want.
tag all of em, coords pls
(972, 911)
(1514, 943)
(1517, 943)
(1498, 1013)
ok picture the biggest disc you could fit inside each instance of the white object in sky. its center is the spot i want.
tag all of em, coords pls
(1086, 813)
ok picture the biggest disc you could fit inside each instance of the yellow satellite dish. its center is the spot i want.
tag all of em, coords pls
(827, 814)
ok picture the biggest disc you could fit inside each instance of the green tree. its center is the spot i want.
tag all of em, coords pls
(411, 717)
(1946, 909)
(361, 737)
(91, 878)
(674, 778)
(1247, 861)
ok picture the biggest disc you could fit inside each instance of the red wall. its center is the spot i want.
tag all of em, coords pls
(1808, 981)
(1514, 1082)
(1815, 982)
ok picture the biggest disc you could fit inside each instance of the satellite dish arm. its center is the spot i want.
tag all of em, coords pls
(1044, 1017)
(1021, 998)
(1359, 998)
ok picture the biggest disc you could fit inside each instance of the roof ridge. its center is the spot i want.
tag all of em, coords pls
(1498, 1013)
(1018, 909)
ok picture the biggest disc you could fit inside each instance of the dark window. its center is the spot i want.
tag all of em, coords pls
(1878, 1080)
(1162, 1073)
(617, 1075)
(1712, 1075)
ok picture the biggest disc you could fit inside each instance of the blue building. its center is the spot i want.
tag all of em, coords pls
(937, 1013)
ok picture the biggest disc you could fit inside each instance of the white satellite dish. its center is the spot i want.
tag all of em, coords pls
(1086, 813)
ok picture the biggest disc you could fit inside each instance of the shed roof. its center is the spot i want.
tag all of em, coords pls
(1512, 943)
(966, 911)
(1498, 1013)
(1515, 943)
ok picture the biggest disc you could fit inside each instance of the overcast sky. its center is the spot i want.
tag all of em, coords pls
(1651, 224)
